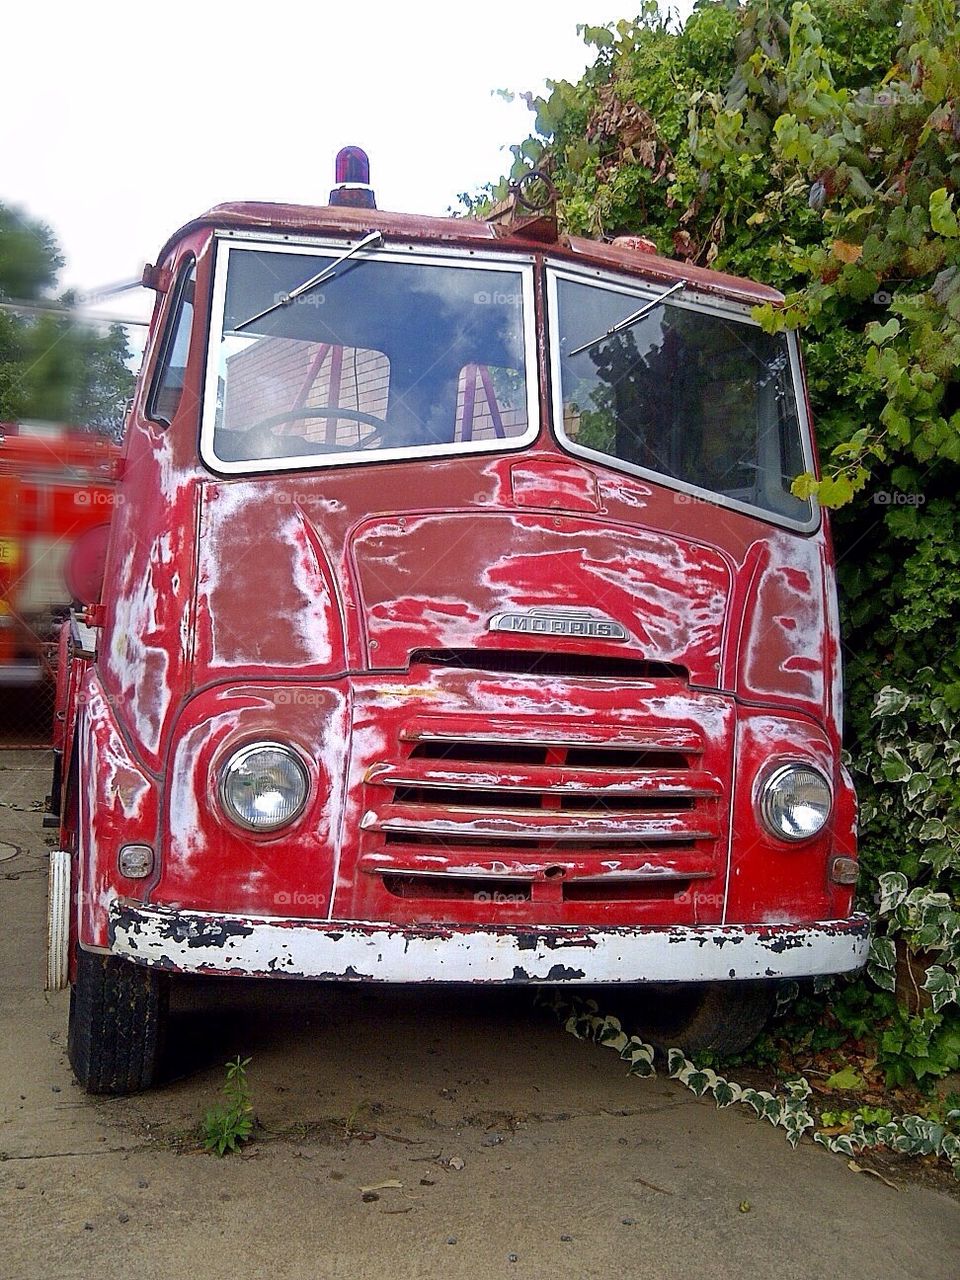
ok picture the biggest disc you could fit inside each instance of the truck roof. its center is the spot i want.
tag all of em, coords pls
(333, 220)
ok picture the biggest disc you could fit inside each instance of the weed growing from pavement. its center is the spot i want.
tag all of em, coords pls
(228, 1126)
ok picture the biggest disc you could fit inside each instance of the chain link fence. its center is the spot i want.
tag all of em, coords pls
(26, 713)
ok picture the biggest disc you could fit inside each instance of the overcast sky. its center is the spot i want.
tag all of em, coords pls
(122, 121)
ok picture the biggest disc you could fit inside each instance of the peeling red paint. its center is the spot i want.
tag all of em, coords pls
(462, 778)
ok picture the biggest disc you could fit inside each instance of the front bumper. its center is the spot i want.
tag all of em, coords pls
(203, 942)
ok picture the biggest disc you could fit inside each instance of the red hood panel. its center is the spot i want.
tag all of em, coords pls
(267, 598)
(289, 585)
(436, 581)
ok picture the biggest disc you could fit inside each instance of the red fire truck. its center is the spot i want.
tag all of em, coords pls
(459, 624)
(56, 498)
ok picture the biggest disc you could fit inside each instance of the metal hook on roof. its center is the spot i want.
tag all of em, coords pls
(524, 191)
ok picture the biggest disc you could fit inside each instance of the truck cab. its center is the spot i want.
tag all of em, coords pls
(458, 624)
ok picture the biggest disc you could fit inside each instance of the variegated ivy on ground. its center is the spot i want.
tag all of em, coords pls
(790, 1111)
(815, 146)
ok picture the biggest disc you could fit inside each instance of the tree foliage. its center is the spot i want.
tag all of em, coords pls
(51, 366)
(815, 146)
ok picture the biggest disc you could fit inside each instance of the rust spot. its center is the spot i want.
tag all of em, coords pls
(204, 933)
(562, 973)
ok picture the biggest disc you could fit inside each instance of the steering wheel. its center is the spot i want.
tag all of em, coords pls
(323, 411)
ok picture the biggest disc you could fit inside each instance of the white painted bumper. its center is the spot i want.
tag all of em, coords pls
(201, 942)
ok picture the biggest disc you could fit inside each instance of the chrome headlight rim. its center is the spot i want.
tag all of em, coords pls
(239, 756)
(768, 784)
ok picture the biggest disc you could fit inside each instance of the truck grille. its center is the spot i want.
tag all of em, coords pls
(545, 791)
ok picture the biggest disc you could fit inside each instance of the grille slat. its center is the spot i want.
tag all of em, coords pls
(600, 781)
(508, 734)
(532, 824)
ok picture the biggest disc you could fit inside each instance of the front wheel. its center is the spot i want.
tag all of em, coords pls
(118, 1014)
(717, 1017)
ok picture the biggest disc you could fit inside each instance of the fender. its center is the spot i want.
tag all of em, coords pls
(117, 804)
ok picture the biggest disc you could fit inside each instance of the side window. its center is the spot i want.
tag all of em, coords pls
(167, 389)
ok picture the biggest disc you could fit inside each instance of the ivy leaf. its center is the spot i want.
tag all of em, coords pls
(894, 887)
(725, 1093)
(676, 1061)
(697, 1082)
(882, 963)
(847, 252)
(883, 953)
(885, 1134)
(878, 333)
(614, 1039)
(917, 786)
(943, 986)
(641, 1066)
(635, 1050)
(798, 1088)
(943, 219)
(891, 701)
(754, 1099)
(894, 767)
(846, 1079)
(859, 184)
(844, 1145)
(599, 36)
(772, 1108)
(805, 485)
(884, 977)
(834, 491)
(794, 1136)
(933, 829)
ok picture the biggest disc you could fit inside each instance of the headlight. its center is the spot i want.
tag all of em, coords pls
(795, 801)
(264, 786)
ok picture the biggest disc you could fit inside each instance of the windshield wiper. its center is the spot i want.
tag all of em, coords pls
(631, 319)
(375, 237)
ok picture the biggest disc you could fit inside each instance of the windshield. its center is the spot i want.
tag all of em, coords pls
(386, 356)
(701, 399)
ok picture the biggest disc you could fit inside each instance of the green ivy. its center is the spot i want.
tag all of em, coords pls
(815, 146)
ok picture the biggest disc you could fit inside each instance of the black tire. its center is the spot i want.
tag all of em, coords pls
(719, 1017)
(118, 1015)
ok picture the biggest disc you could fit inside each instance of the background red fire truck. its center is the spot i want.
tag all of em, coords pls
(56, 497)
